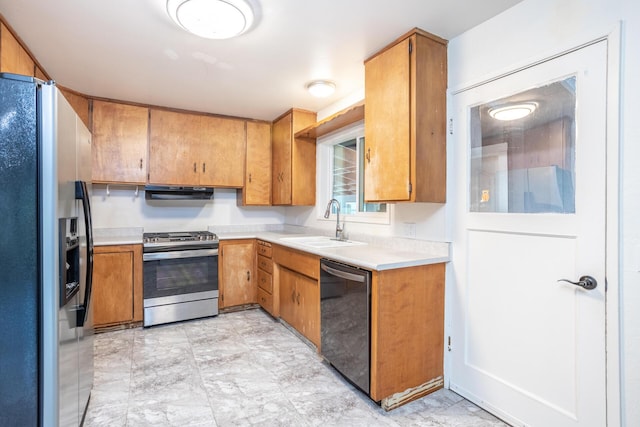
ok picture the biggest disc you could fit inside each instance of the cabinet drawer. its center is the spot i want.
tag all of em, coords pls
(265, 281)
(301, 262)
(265, 300)
(264, 250)
(265, 264)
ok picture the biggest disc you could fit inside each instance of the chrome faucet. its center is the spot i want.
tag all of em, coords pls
(339, 229)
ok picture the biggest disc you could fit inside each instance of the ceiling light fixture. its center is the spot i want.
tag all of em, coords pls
(211, 19)
(513, 111)
(321, 88)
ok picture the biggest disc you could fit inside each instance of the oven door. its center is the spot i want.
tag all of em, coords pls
(180, 273)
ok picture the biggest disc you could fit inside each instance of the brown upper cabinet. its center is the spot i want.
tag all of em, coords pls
(13, 57)
(119, 143)
(194, 149)
(294, 160)
(257, 179)
(405, 120)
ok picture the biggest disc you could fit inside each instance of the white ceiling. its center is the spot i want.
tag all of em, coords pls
(131, 50)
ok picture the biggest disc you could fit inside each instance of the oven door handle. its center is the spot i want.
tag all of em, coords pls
(198, 253)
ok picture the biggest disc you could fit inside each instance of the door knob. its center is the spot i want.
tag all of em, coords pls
(586, 282)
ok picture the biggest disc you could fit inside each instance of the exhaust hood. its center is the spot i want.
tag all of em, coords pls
(159, 192)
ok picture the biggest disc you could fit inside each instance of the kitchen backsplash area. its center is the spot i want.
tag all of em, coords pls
(132, 235)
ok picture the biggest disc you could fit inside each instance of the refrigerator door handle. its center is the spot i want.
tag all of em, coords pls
(83, 194)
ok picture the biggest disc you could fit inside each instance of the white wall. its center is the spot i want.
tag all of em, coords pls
(535, 29)
(123, 209)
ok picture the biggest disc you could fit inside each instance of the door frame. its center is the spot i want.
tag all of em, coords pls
(612, 208)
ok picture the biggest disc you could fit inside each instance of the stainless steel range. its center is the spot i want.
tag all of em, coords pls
(180, 276)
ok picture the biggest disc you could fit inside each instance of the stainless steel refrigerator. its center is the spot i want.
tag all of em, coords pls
(46, 257)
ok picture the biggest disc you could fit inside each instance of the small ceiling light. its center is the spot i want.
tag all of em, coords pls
(321, 88)
(211, 19)
(513, 111)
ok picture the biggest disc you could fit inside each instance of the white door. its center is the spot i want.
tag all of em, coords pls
(530, 210)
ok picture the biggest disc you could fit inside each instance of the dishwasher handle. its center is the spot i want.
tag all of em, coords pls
(343, 274)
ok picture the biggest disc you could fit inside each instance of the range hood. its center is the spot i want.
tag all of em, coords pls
(159, 192)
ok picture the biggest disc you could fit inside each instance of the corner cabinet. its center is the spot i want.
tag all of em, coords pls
(257, 178)
(236, 281)
(405, 120)
(117, 285)
(294, 160)
(119, 143)
(196, 149)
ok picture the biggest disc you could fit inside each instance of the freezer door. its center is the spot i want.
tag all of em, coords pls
(19, 254)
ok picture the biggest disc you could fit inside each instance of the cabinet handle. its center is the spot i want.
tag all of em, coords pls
(141, 164)
(194, 167)
(298, 298)
(204, 167)
(368, 155)
(248, 275)
(249, 177)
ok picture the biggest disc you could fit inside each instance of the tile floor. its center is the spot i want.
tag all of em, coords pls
(241, 369)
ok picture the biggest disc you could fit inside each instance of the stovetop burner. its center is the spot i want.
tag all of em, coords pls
(179, 236)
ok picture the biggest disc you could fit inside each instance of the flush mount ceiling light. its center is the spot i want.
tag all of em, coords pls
(321, 88)
(513, 111)
(212, 19)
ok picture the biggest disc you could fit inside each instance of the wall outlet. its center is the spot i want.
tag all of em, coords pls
(410, 229)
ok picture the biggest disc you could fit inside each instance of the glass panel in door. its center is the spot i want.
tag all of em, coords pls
(523, 151)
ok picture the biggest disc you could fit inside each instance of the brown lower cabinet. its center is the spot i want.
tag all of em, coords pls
(407, 332)
(407, 318)
(297, 276)
(236, 282)
(117, 285)
(300, 303)
(266, 288)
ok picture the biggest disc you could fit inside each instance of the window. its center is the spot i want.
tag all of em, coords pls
(525, 164)
(345, 160)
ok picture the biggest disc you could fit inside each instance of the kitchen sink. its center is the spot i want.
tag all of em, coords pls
(320, 241)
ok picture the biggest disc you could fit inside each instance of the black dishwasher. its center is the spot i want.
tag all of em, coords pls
(345, 319)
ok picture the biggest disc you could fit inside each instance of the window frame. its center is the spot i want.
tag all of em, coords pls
(325, 180)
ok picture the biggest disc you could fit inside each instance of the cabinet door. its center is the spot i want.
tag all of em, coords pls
(117, 284)
(281, 182)
(13, 57)
(288, 304)
(236, 270)
(308, 299)
(172, 137)
(221, 151)
(300, 303)
(387, 125)
(119, 142)
(257, 181)
(303, 161)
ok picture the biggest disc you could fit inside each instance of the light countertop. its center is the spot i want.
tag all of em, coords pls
(376, 254)
(371, 256)
(117, 236)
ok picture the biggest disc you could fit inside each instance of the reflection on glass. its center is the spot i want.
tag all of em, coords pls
(523, 152)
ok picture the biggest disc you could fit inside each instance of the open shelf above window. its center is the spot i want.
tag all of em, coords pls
(339, 120)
